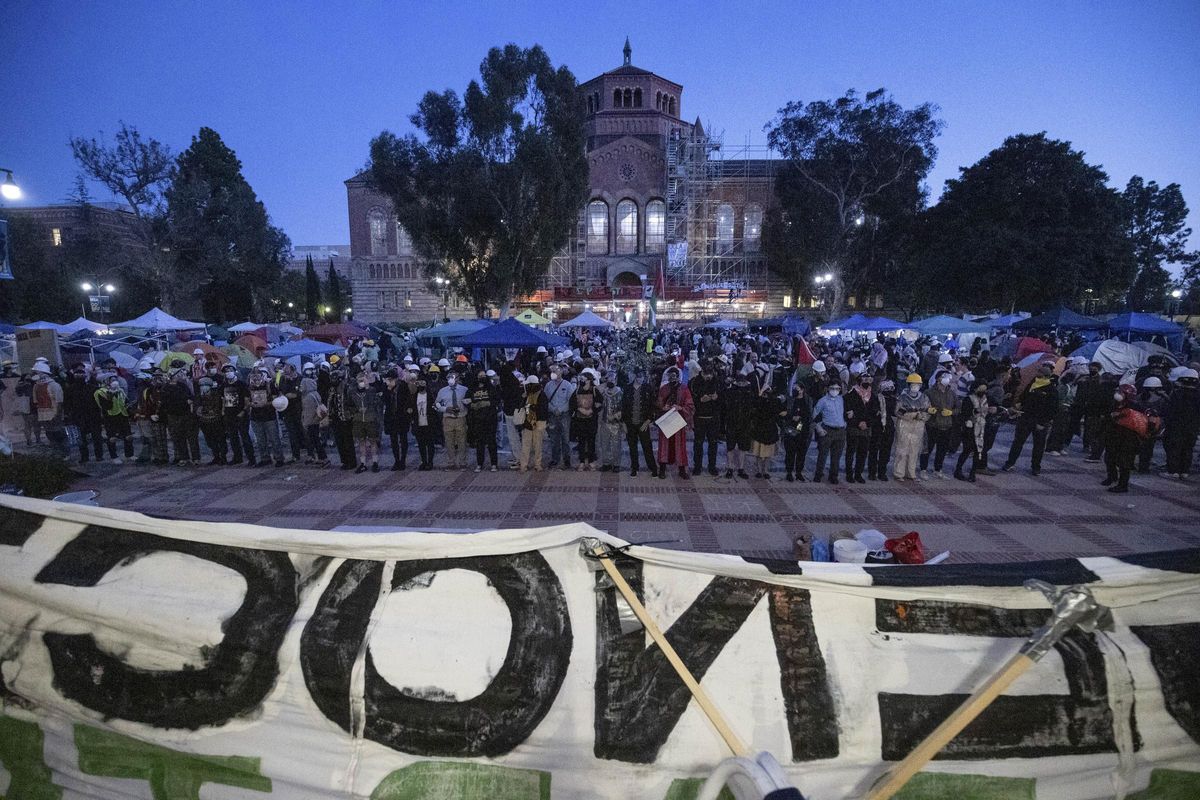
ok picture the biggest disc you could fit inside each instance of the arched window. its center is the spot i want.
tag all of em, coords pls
(671, 107)
(658, 102)
(597, 228)
(616, 98)
(656, 226)
(627, 227)
(378, 224)
(404, 245)
(597, 103)
(628, 101)
(724, 227)
(637, 98)
(371, 271)
(752, 228)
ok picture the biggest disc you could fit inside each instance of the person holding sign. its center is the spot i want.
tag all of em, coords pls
(672, 449)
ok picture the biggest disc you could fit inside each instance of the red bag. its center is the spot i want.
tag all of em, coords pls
(1135, 421)
(907, 548)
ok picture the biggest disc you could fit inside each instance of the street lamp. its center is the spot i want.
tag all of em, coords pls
(444, 283)
(9, 189)
(1176, 295)
(99, 296)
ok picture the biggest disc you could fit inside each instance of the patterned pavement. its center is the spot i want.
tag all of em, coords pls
(1006, 518)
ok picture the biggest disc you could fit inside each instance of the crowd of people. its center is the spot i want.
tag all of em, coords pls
(688, 402)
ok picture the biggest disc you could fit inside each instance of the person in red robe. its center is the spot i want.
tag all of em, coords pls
(673, 450)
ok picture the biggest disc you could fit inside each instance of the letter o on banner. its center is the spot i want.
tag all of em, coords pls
(490, 724)
(236, 676)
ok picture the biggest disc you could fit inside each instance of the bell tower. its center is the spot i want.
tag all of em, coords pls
(628, 51)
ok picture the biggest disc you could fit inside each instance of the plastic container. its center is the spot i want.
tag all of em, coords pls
(849, 551)
(873, 539)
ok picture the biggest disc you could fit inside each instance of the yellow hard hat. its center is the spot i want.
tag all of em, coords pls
(435, 368)
(913, 378)
(334, 359)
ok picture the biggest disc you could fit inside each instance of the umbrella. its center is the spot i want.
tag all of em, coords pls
(1059, 318)
(340, 332)
(1028, 344)
(878, 324)
(255, 344)
(1031, 365)
(210, 352)
(304, 347)
(726, 324)
(943, 325)
(245, 327)
(531, 317)
(169, 359)
(510, 333)
(158, 320)
(81, 324)
(239, 355)
(40, 325)
(217, 332)
(587, 319)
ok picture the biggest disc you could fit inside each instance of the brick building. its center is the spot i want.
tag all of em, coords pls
(665, 197)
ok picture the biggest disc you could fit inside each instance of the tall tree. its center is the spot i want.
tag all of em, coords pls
(220, 231)
(491, 190)
(336, 301)
(1159, 233)
(1030, 225)
(138, 171)
(853, 163)
(312, 291)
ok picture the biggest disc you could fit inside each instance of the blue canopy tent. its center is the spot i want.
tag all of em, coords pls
(7, 328)
(453, 329)
(304, 347)
(511, 333)
(1006, 321)
(944, 325)
(1060, 317)
(881, 324)
(40, 325)
(725, 325)
(587, 319)
(791, 324)
(850, 323)
(1133, 322)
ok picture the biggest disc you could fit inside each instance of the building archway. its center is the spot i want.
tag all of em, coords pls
(626, 280)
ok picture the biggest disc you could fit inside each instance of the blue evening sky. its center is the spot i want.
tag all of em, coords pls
(298, 89)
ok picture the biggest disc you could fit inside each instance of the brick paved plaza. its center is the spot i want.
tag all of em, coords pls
(1009, 517)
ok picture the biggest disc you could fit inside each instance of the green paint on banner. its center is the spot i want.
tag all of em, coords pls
(1170, 784)
(21, 753)
(688, 788)
(947, 786)
(172, 775)
(433, 780)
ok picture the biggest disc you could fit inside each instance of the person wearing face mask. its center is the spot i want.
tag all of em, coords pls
(637, 414)
(1036, 407)
(1122, 439)
(883, 432)
(558, 391)
(862, 417)
(81, 413)
(942, 404)
(209, 417)
(796, 432)
(110, 399)
(706, 392)
(973, 412)
(235, 399)
(341, 418)
(177, 404)
(1092, 400)
(1153, 401)
(532, 419)
(765, 412)
(264, 419)
(829, 424)
(611, 429)
(424, 420)
(512, 393)
(313, 416)
(586, 404)
(739, 433)
(483, 410)
(395, 398)
(673, 450)
(451, 403)
(288, 384)
(366, 409)
(912, 412)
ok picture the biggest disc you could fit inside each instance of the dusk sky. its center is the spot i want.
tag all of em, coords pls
(298, 90)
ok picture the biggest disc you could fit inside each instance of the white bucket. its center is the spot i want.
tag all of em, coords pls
(849, 551)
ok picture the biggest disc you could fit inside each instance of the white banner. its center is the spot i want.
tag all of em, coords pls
(145, 658)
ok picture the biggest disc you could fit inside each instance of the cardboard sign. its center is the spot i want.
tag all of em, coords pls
(670, 423)
(143, 658)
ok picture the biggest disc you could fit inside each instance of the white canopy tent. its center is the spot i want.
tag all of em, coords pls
(246, 327)
(81, 324)
(158, 320)
(40, 325)
(587, 319)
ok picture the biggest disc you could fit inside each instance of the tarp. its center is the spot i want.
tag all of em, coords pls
(144, 655)
(158, 320)
(943, 325)
(531, 317)
(726, 324)
(587, 319)
(1117, 357)
(304, 347)
(510, 333)
(1134, 322)
(81, 324)
(1060, 317)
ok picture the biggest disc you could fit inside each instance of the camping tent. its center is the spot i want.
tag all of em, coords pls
(158, 320)
(1060, 317)
(531, 317)
(587, 319)
(304, 347)
(726, 324)
(81, 324)
(1119, 358)
(510, 333)
(944, 325)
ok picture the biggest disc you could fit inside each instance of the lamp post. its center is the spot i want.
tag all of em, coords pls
(99, 297)
(824, 285)
(444, 285)
(9, 189)
(1173, 308)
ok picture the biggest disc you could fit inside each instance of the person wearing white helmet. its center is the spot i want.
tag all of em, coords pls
(532, 419)
(235, 405)
(263, 417)
(1182, 420)
(1153, 401)
(176, 404)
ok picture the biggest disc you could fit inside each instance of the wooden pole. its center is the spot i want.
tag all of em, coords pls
(735, 744)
